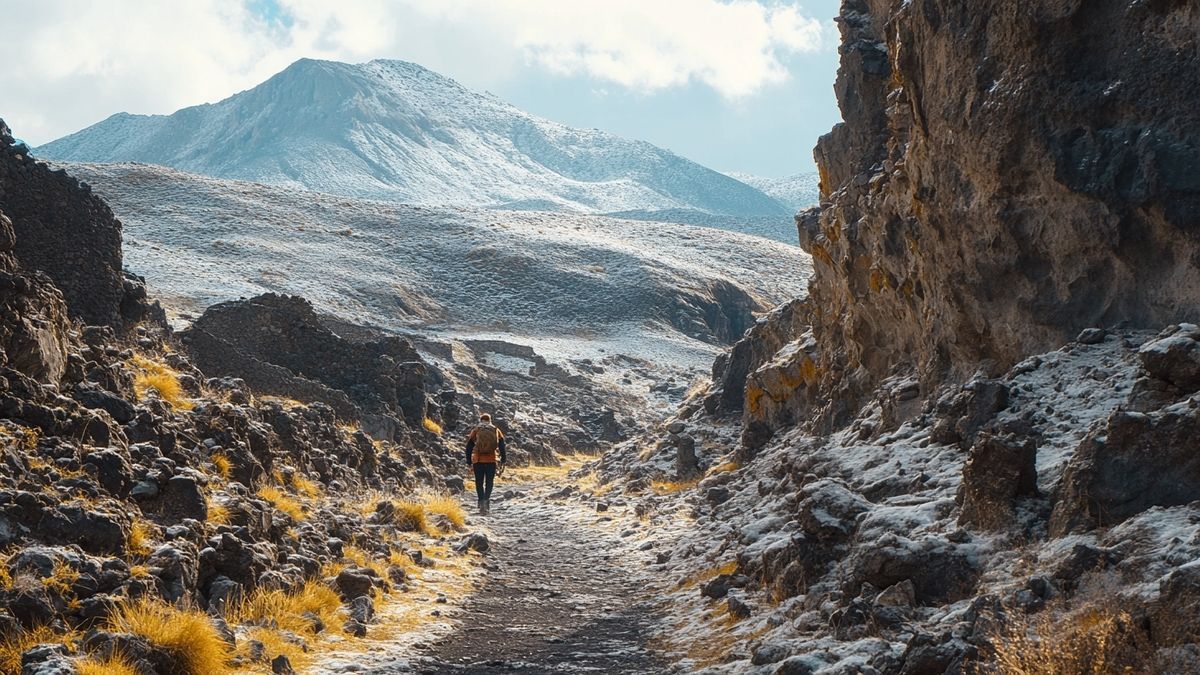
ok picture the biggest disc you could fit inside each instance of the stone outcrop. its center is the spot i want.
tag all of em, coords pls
(279, 346)
(1007, 174)
(1144, 454)
(64, 231)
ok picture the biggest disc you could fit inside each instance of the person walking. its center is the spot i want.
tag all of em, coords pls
(484, 443)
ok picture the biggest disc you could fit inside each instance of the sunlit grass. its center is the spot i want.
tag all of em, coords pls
(157, 377)
(13, 645)
(666, 487)
(195, 646)
(113, 664)
(140, 534)
(282, 501)
(432, 426)
(448, 507)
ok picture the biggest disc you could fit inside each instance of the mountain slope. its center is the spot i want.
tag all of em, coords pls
(394, 130)
(557, 277)
(796, 192)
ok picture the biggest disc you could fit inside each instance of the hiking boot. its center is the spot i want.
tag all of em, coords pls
(485, 507)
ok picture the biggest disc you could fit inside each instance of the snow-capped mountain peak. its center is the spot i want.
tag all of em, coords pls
(395, 130)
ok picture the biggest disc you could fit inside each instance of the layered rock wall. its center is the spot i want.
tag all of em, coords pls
(1007, 174)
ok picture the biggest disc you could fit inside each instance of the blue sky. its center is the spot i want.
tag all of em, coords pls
(737, 85)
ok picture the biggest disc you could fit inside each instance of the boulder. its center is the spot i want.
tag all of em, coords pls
(1132, 462)
(1174, 358)
(999, 470)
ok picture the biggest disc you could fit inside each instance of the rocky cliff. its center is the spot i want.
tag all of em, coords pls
(64, 231)
(1006, 175)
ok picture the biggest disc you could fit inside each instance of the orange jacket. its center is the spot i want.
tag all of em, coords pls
(484, 455)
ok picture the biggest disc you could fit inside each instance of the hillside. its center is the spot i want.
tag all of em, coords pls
(797, 192)
(394, 130)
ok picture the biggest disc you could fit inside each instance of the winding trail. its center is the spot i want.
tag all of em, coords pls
(562, 595)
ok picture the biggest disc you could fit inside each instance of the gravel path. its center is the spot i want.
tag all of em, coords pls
(560, 597)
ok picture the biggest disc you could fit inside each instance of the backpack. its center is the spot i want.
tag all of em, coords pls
(487, 441)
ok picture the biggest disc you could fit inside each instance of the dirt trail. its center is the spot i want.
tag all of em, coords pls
(562, 595)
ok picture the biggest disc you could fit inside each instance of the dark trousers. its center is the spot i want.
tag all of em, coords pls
(485, 475)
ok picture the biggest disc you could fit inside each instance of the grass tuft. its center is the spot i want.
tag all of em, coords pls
(432, 426)
(285, 610)
(187, 635)
(140, 534)
(13, 645)
(306, 486)
(447, 506)
(113, 664)
(283, 501)
(156, 377)
(218, 513)
(61, 578)
(666, 487)
(222, 464)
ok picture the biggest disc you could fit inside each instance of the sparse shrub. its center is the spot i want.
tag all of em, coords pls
(187, 635)
(446, 506)
(1094, 639)
(282, 501)
(113, 664)
(432, 426)
(139, 571)
(13, 645)
(163, 381)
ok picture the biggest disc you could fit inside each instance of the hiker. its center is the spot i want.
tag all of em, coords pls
(483, 443)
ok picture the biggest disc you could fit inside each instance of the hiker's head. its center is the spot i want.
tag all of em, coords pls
(485, 418)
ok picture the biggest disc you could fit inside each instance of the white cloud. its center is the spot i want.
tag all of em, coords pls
(70, 63)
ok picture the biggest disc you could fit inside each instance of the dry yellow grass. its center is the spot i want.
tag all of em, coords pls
(156, 377)
(275, 644)
(113, 664)
(666, 487)
(285, 610)
(61, 578)
(306, 486)
(1094, 639)
(218, 513)
(13, 645)
(222, 464)
(282, 501)
(447, 506)
(725, 467)
(703, 575)
(432, 426)
(362, 558)
(411, 517)
(187, 635)
(140, 534)
(139, 571)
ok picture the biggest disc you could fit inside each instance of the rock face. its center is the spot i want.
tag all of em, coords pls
(64, 231)
(996, 187)
(279, 346)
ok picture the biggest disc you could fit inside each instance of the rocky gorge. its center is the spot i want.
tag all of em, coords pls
(968, 448)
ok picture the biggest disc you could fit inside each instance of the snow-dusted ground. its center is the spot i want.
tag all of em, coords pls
(631, 297)
(394, 130)
(897, 493)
